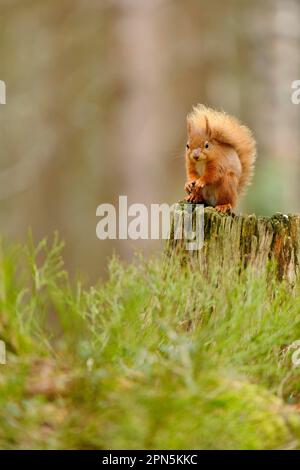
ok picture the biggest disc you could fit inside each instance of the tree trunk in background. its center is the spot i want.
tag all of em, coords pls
(140, 120)
(272, 47)
(284, 115)
(139, 123)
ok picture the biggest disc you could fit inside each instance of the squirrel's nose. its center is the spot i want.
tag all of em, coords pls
(196, 154)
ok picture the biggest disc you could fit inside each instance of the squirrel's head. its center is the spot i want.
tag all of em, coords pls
(200, 145)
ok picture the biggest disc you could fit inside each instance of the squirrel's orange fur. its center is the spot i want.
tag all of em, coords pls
(220, 158)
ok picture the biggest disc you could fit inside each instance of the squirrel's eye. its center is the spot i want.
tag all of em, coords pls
(206, 145)
(187, 146)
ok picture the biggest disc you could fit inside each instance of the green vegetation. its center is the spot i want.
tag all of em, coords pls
(158, 356)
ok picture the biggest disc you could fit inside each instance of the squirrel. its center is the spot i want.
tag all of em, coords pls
(220, 156)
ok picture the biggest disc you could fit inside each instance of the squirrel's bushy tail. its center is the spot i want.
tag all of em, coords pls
(228, 130)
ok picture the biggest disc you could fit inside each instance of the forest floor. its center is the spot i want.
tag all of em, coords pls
(159, 356)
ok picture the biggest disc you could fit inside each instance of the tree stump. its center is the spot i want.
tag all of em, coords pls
(243, 239)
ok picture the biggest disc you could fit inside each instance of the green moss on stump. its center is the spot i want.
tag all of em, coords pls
(246, 239)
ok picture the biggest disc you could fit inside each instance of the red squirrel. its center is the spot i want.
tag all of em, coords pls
(220, 156)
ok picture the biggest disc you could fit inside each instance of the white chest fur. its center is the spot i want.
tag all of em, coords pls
(209, 191)
(200, 168)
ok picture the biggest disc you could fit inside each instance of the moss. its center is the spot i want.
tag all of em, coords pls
(249, 239)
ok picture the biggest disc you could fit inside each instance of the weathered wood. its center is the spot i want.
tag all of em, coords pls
(230, 238)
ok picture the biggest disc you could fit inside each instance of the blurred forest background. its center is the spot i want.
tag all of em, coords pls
(97, 97)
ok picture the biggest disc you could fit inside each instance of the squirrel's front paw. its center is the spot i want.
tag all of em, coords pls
(195, 197)
(200, 183)
(191, 198)
(189, 186)
(225, 208)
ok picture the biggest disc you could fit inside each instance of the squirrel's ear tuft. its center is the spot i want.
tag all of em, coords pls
(207, 127)
(190, 126)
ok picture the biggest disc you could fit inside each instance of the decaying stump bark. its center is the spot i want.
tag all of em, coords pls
(230, 238)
